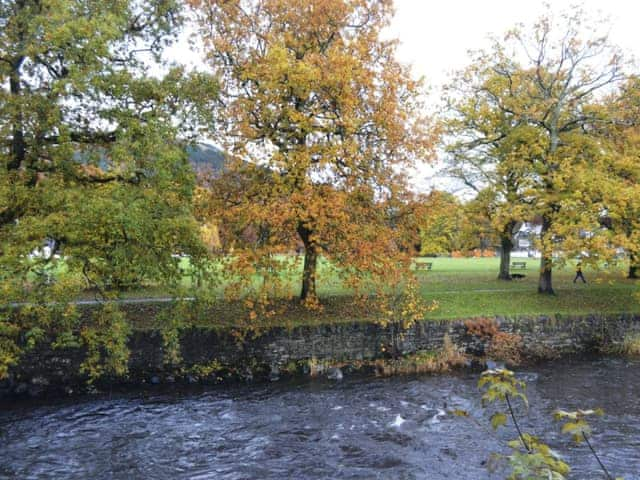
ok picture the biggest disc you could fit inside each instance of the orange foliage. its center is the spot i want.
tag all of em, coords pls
(485, 328)
(503, 346)
(325, 121)
(506, 347)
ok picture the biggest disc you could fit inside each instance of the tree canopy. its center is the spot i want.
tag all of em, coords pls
(92, 156)
(525, 115)
(442, 224)
(324, 121)
(621, 137)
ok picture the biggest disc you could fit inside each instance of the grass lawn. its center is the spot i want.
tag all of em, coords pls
(468, 287)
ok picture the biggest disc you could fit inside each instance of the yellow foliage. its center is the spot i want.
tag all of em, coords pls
(323, 122)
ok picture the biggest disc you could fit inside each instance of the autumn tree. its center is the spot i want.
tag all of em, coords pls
(442, 226)
(487, 150)
(91, 156)
(622, 137)
(323, 119)
(484, 227)
(538, 87)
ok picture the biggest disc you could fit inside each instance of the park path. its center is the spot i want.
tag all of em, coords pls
(121, 301)
(141, 300)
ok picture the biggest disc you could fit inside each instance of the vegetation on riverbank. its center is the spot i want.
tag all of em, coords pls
(452, 289)
(320, 136)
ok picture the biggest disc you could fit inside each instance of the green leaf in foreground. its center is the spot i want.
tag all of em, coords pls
(498, 420)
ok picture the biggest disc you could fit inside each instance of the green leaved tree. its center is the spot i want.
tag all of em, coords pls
(442, 226)
(523, 124)
(622, 137)
(325, 120)
(92, 155)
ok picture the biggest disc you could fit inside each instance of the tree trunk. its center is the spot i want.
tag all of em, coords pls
(17, 156)
(545, 285)
(633, 267)
(18, 149)
(506, 245)
(308, 290)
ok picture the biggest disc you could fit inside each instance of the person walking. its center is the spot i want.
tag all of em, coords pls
(579, 274)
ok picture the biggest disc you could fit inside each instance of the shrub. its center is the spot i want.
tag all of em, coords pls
(506, 347)
(503, 346)
(484, 328)
(425, 361)
(631, 345)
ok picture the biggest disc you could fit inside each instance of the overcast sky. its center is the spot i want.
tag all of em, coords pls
(435, 36)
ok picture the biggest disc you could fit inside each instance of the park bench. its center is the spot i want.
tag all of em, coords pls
(423, 265)
(518, 265)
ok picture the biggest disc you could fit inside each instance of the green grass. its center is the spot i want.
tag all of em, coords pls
(469, 287)
(463, 288)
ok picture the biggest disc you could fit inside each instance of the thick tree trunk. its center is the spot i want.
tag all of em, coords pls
(308, 290)
(545, 284)
(10, 213)
(506, 245)
(18, 147)
(633, 267)
(18, 150)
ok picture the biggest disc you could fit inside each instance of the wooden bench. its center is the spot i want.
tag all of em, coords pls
(423, 265)
(518, 265)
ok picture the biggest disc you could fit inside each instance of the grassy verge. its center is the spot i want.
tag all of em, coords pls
(462, 288)
(468, 287)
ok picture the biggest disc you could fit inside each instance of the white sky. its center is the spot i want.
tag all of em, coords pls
(435, 35)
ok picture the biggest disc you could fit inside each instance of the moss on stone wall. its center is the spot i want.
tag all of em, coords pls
(213, 355)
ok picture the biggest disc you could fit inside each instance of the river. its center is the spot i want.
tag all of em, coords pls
(359, 428)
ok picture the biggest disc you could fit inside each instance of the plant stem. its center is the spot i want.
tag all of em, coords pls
(604, 469)
(515, 422)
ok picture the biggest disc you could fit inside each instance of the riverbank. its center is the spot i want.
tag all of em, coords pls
(208, 355)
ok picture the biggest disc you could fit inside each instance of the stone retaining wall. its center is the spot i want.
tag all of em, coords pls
(44, 370)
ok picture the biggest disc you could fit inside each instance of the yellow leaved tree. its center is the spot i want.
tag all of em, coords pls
(521, 120)
(322, 121)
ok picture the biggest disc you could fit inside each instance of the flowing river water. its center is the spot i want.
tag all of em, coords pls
(360, 428)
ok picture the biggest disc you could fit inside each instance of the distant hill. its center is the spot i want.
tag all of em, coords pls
(204, 157)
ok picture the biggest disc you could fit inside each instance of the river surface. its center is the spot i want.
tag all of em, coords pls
(360, 428)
